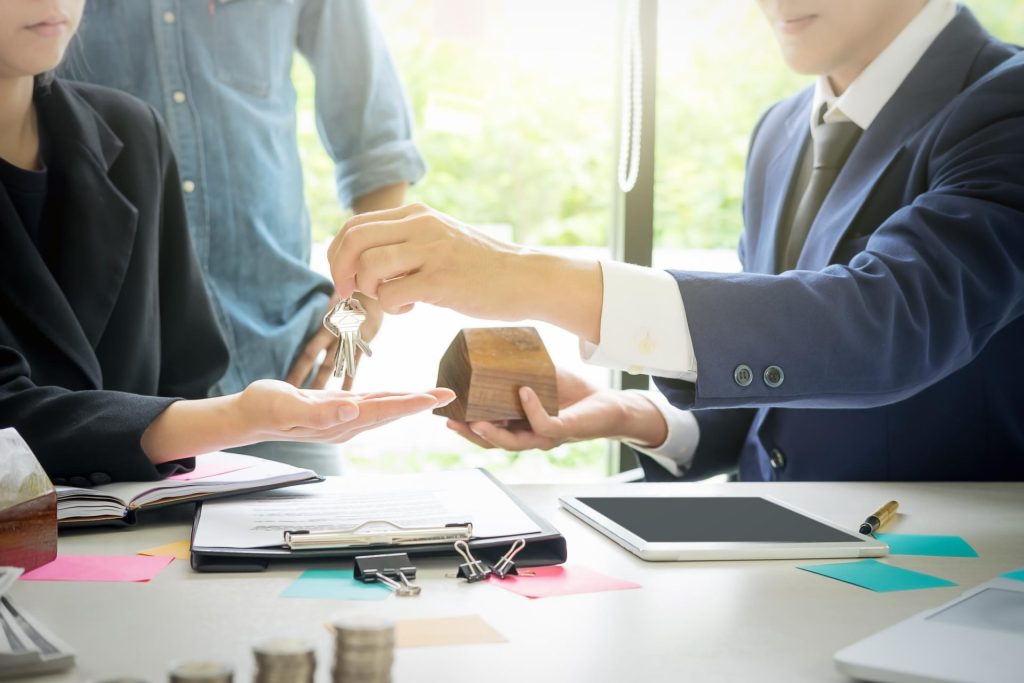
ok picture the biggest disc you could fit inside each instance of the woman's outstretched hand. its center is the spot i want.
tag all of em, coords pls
(271, 410)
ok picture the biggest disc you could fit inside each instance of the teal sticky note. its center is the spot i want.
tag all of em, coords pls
(1016, 574)
(921, 544)
(877, 576)
(334, 584)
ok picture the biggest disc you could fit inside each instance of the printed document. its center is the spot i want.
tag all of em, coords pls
(339, 503)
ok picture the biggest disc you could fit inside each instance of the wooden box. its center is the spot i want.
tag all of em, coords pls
(28, 506)
(485, 367)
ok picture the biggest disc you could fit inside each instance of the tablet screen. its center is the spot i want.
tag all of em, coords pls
(715, 520)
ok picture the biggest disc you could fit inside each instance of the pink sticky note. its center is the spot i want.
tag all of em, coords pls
(546, 582)
(204, 470)
(99, 568)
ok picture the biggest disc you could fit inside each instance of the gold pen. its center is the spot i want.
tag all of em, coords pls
(880, 518)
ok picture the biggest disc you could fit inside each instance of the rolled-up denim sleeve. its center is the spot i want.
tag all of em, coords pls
(362, 113)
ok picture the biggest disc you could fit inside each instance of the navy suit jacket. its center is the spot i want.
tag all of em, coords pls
(900, 334)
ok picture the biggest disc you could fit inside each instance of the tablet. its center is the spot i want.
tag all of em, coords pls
(978, 636)
(718, 528)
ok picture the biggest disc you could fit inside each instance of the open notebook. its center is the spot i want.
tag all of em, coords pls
(216, 475)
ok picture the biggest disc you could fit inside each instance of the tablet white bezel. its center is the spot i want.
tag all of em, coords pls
(647, 550)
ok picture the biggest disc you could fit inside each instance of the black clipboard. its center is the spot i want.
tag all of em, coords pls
(542, 549)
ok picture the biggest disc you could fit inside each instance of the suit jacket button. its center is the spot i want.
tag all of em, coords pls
(774, 377)
(80, 482)
(100, 478)
(743, 375)
(777, 459)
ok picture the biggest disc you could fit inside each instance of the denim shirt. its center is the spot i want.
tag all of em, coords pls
(219, 73)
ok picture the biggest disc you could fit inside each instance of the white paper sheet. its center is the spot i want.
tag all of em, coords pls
(427, 499)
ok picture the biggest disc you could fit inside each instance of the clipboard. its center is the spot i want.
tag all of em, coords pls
(544, 548)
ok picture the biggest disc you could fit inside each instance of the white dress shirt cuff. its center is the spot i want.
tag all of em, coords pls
(643, 324)
(676, 453)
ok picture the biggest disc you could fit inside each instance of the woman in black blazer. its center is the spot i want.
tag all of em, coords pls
(105, 324)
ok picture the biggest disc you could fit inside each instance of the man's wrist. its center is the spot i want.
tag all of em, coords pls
(565, 292)
(643, 424)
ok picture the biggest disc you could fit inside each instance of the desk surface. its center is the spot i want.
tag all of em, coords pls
(706, 621)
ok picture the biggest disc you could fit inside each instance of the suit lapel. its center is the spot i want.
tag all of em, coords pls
(96, 245)
(936, 79)
(95, 233)
(98, 224)
(780, 174)
(36, 293)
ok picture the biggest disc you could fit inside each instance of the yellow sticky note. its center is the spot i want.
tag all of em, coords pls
(465, 630)
(179, 550)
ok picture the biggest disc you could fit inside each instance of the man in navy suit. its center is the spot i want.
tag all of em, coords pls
(877, 330)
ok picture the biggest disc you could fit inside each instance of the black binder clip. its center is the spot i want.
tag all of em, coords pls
(472, 569)
(394, 571)
(505, 565)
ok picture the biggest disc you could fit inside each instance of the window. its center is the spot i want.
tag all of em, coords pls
(515, 115)
(517, 108)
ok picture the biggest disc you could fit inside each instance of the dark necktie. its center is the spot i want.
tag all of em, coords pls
(832, 143)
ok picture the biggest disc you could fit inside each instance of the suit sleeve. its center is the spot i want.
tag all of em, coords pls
(934, 283)
(78, 433)
(723, 431)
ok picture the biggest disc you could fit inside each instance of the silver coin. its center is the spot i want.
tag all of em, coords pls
(306, 662)
(361, 677)
(201, 671)
(359, 638)
(283, 646)
(362, 622)
(364, 654)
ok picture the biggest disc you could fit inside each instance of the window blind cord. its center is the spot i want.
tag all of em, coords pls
(632, 98)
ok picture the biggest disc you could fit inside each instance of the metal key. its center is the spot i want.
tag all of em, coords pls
(344, 321)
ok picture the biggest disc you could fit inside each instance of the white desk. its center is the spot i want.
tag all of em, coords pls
(713, 621)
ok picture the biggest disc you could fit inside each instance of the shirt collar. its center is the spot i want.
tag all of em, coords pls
(876, 85)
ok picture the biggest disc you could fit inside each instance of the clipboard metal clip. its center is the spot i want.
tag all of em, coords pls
(506, 564)
(395, 571)
(377, 532)
(472, 569)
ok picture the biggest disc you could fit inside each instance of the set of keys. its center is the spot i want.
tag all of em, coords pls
(344, 321)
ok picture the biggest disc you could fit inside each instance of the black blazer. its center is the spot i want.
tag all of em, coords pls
(96, 345)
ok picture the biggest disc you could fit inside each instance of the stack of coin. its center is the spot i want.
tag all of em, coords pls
(201, 671)
(364, 649)
(284, 660)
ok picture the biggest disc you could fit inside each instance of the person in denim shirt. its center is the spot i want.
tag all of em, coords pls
(219, 74)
